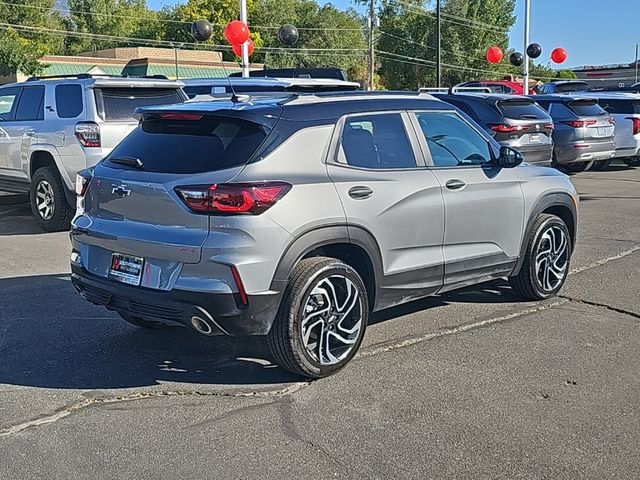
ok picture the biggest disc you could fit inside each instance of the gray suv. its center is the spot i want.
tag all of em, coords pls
(52, 127)
(296, 218)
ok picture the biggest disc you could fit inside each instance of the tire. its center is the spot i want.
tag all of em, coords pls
(528, 282)
(601, 165)
(48, 201)
(142, 323)
(305, 355)
(575, 167)
(632, 161)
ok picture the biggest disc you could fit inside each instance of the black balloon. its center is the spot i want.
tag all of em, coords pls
(288, 35)
(201, 30)
(534, 50)
(516, 59)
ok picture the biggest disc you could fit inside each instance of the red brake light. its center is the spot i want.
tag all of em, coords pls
(82, 182)
(579, 123)
(548, 126)
(233, 198)
(612, 120)
(180, 116)
(88, 134)
(636, 124)
(504, 128)
(241, 290)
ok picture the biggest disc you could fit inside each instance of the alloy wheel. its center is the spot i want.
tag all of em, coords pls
(332, 319)
(45, 200)
(552, 258)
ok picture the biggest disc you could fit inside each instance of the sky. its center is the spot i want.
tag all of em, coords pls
(593, 32)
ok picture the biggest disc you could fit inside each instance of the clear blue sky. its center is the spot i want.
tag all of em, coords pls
(592, 31)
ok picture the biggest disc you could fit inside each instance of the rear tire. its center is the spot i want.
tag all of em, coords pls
(632, 161)
(575, 167)
(547, 258)
(48, 201)
(142, 323)
(322, 318)
(601, 165)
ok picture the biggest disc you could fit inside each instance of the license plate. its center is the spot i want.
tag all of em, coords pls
(602, 131)
(126, 269)
(535, 138)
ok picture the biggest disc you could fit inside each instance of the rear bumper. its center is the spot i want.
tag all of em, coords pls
(223, 311)
(585, 152)
(537, 155)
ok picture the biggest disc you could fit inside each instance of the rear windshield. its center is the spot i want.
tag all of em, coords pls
(191, 146)
(626, 106)
(572, 87)
(522, 110)
(120, 103)
(586, 108)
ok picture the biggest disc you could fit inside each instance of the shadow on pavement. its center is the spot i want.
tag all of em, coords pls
(16, 217)
(50, 337)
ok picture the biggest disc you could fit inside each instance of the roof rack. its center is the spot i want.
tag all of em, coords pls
(84, 76)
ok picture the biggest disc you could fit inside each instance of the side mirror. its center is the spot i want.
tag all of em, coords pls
(509, 158)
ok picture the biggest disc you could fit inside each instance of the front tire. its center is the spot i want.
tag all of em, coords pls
(601, 165)
(546, 263)
(632, 161)
(322, 318)
(48, 201)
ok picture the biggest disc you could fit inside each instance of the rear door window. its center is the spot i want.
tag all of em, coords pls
(120, 103)
(522, 109)
(195, 144)
(68, 100)
(31, 104)
(586, 108)
(376, 141)
(8, 102)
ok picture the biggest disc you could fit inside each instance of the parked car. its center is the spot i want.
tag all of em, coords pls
(514, 121)
(52, 127)
(506, 87)
(625, 110)
(296, 218)
(583, 133)
(564, 86)
(224, 87)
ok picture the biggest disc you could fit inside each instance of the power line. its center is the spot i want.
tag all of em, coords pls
(455, 19)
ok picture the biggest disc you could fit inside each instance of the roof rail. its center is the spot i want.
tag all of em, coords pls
(84, 76)
(453, 90)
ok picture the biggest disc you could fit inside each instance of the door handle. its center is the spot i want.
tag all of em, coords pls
(360, 192)
(30, 133)
(455, 184)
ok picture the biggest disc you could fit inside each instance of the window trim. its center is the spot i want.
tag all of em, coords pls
(336, 143)
(425, 148)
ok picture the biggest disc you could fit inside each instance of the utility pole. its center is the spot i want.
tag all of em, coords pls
(245, 45)
(636, 63)
(525, 70)
(438, 47)
(372, 20)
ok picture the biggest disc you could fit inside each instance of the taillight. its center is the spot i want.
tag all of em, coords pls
(88, 134)
(82, 182)
(612, 120)
(548, 126)
(504, 128)
(181, 116)
(233, 198)
(579, 123)
(636, 124)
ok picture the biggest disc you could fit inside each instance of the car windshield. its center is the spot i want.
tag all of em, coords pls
(572, 87)
(120, 103)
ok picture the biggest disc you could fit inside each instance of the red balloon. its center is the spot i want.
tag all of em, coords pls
(236, 32)
(237, 49)
(559, 55)
(494, 55)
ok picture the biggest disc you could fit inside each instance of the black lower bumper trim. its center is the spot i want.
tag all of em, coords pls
(226, 316)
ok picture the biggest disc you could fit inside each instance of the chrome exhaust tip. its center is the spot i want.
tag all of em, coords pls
(202, 326)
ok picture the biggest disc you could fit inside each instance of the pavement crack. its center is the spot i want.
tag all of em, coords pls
(601, 305)
(604, 261)
(72, 408)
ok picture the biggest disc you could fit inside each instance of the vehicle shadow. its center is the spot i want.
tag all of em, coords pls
(16, 217)
(50, 337)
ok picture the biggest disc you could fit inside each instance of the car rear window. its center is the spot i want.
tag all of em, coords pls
(120, 103)
(586, 108)
(68, 100)
(626, 106)
(522, 110)
(572, 87)
(197, 145)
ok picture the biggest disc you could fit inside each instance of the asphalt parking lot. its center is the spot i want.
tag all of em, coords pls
(472, 384)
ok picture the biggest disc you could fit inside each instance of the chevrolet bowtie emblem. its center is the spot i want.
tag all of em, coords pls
(121, 191)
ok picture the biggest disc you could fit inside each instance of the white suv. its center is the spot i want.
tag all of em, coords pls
(52, 127)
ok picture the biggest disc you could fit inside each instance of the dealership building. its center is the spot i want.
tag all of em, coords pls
(608, 76)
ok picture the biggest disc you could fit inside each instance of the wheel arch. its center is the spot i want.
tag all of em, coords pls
(45, 156)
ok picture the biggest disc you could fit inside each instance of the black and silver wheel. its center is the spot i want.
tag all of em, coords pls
(546, 264)
(575, 167)
(142, 322)
(632, 161)
(322, 318)
(601, 165)
(48, 202)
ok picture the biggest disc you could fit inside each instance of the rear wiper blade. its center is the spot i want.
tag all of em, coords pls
(128, 161)
(533, 117)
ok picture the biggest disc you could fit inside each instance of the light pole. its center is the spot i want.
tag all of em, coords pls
(438, 47)
(636, 63)
(245, 45)
(525, 70)
(175, 47)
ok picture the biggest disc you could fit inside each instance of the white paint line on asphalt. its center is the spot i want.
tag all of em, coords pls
(451, 331)
(604, 261)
